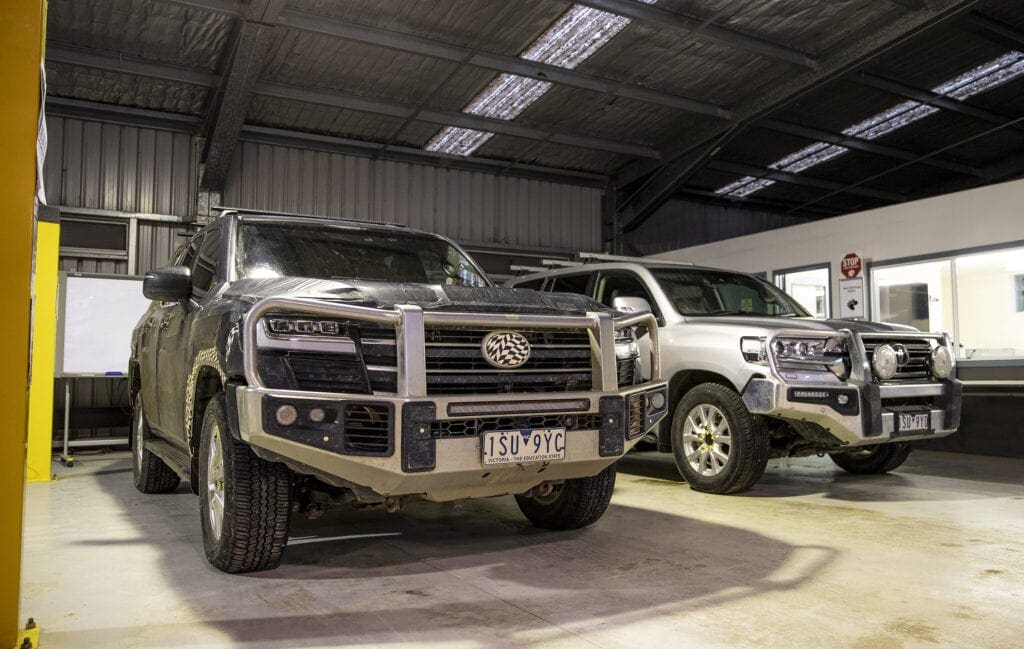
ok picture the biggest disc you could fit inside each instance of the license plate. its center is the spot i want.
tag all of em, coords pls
(528, 445)
(910, 422)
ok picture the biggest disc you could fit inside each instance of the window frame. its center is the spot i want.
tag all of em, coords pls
(776, 273)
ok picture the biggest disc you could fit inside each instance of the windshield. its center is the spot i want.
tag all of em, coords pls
(711, 292)
(331, 252)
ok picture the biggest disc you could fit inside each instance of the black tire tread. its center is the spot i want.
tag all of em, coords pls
(153, 476)
(885, 458)
(580, 502)
(753, 447)
(257, 504)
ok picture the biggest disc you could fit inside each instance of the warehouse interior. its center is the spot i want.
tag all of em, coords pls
(777, 138)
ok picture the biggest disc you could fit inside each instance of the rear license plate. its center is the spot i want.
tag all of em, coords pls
(527, 445)
(913, 422)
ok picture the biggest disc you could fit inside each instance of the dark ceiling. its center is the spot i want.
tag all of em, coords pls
(691, 96)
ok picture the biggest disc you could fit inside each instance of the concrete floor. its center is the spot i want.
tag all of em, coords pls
(811, 557)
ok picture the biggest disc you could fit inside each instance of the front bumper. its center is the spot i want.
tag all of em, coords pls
(869, 413)
(859, 410)
(416, 461)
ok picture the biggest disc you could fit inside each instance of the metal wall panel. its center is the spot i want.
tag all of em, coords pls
(465, 205)
(681, 223)
(115, 167)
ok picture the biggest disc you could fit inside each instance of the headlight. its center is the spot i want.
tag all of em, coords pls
(942, 362)
(753, 350)
(303, 327)
(884, 362)
(802, 352)
(625, 343)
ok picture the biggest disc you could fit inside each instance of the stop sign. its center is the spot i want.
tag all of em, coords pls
(850, 266)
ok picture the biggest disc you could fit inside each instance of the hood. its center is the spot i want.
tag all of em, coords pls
(430, 297)
(808, 324)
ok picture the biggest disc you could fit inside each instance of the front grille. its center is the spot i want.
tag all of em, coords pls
(322, 372)
(560, 361)
(474, 427)
(367, 429)
(917, 366)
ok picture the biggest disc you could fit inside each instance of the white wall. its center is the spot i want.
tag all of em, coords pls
(978, 217)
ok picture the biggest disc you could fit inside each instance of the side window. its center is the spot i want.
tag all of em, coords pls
(615, 285)
(204, 271)
(570, 283)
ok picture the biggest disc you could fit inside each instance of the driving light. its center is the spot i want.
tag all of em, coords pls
(657, 401)
(942, 362)
(287, 415)
(317, 415)
(286, 326)
(884, 362)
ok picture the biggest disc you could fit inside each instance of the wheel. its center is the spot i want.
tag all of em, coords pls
(719, 447)
(152, 475)
(574, 504)
(872, 460)
(245, 501)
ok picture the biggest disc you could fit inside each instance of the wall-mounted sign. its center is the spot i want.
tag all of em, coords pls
(850, 266)
(851, 298)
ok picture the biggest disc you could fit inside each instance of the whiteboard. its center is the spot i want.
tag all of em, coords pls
(95, 318)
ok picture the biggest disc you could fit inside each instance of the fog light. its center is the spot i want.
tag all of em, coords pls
(287, 415)
(658, 400)
(884, 362)
(317, 415)
(843, 399)
(942, 362)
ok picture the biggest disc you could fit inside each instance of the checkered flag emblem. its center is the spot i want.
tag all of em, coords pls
(505, 349)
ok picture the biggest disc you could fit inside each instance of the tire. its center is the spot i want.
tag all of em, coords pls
(576, 503)
(246, 528)
(151, 474)
(873, 460)
(719, 447)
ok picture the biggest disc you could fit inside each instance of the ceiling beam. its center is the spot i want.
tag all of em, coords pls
(994, 30)
(337, 28)
(363, 148)
(693, 28)
(451, 118)
(58, 53)
(741, 169)
(91, 110)
(868, 146)
(900, 89)
(761, 204)
(499, 63)
(246, 56)
(661, 181)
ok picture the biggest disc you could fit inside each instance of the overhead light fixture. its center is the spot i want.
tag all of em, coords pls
(576, 35)
(984, 77)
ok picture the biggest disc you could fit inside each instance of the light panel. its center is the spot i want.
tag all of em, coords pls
(569, 41)
(984, 77)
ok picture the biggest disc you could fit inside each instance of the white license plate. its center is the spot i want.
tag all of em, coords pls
(527, 445)
(907, 422)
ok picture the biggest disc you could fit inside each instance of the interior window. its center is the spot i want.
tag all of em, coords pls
(571, 283)
(204, 272)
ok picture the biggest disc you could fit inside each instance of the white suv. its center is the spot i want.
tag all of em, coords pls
(753, 376)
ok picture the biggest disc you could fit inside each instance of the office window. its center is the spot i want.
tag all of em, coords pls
(977, 298)
(809, 287)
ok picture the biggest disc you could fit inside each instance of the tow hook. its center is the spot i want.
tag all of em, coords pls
(543, 490)
(393, 504)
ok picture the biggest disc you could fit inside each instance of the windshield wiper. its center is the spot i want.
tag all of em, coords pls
(727, 312)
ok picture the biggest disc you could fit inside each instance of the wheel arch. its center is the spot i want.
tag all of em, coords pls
(206, 385)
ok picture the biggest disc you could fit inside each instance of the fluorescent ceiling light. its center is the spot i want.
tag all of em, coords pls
(577, 34)
(984, 77)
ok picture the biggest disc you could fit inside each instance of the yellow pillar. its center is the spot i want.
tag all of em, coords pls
(44, 339)
(21, 32)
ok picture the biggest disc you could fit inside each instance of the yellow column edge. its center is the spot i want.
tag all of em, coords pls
(44, 337)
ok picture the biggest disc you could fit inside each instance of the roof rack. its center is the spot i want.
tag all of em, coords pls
(590, 257)
(245, 210)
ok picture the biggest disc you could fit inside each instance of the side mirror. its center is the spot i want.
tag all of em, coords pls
(169, 284)
(632, 305)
